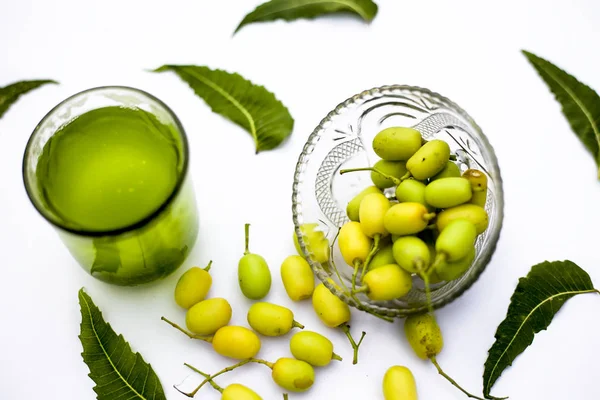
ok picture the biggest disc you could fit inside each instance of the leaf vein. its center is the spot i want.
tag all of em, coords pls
(527, 318)
(104, 350)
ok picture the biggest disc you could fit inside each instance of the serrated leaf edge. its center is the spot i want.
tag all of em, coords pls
(533, 59)
(216, 87)
(232, 100)
(82, 295)
(37, 84)
(573, 292)
(348, 4)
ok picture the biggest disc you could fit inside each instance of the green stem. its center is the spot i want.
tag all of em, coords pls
(355, 346)
(374, 250)
(424, 274)
(439, 258)
(223, 371)
(247, 231)
(285, 396)
(212, 383)
(386, 176)
(452, 381)
(296, 324)
(189, 334)
(336, 357)
(335, 268)
(405, 176)
(211, 377)
(357, 264)
(380, 316)
(207, 268)
(425, 277)
(345, 289)
(429, 216)
(361, 289)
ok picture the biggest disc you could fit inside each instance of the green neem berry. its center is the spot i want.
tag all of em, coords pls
(412, 191)
(298, 278)
(384, 256)
(429, 160)
(352, 209)
(293, 375)
(313, 348)
(208, 316)
(451, 170)
(397, 143)
(271, 319)
(424, 335)
(455, 241)
(449, 271)
(387, 282)
(397, 169)
(448, 192)
(411, 254)
(254, 276)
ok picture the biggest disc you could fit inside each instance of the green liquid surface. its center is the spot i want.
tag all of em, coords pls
(109, 168)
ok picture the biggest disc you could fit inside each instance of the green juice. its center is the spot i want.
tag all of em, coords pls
(111, 169)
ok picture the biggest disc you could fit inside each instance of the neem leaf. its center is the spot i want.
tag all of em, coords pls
(250, 106)
(580, 103)
(119, 373)
(536, 300)
(294, 9)
(9, 94)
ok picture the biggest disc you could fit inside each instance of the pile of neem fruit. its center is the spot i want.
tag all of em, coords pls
(208, 319)
(421, 216)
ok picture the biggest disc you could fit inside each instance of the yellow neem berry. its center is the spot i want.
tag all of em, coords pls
(399, 384)
(193, 286)
(235, 391)
(271, 319)
(208, 316)
(298, 278)
(332, 311)
(236, 342)
(354, 244)
(313, 348)
(293, 375)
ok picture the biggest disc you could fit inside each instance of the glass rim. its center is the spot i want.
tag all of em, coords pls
(132, 226)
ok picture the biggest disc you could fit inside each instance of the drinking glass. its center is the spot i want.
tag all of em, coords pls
(151, 247)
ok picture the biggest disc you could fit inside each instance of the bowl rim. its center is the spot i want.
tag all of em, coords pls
(485, 256)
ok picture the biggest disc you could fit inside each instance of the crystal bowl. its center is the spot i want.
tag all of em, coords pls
(343, 140)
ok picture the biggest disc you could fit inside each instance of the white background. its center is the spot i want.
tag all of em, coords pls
(466, 50)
